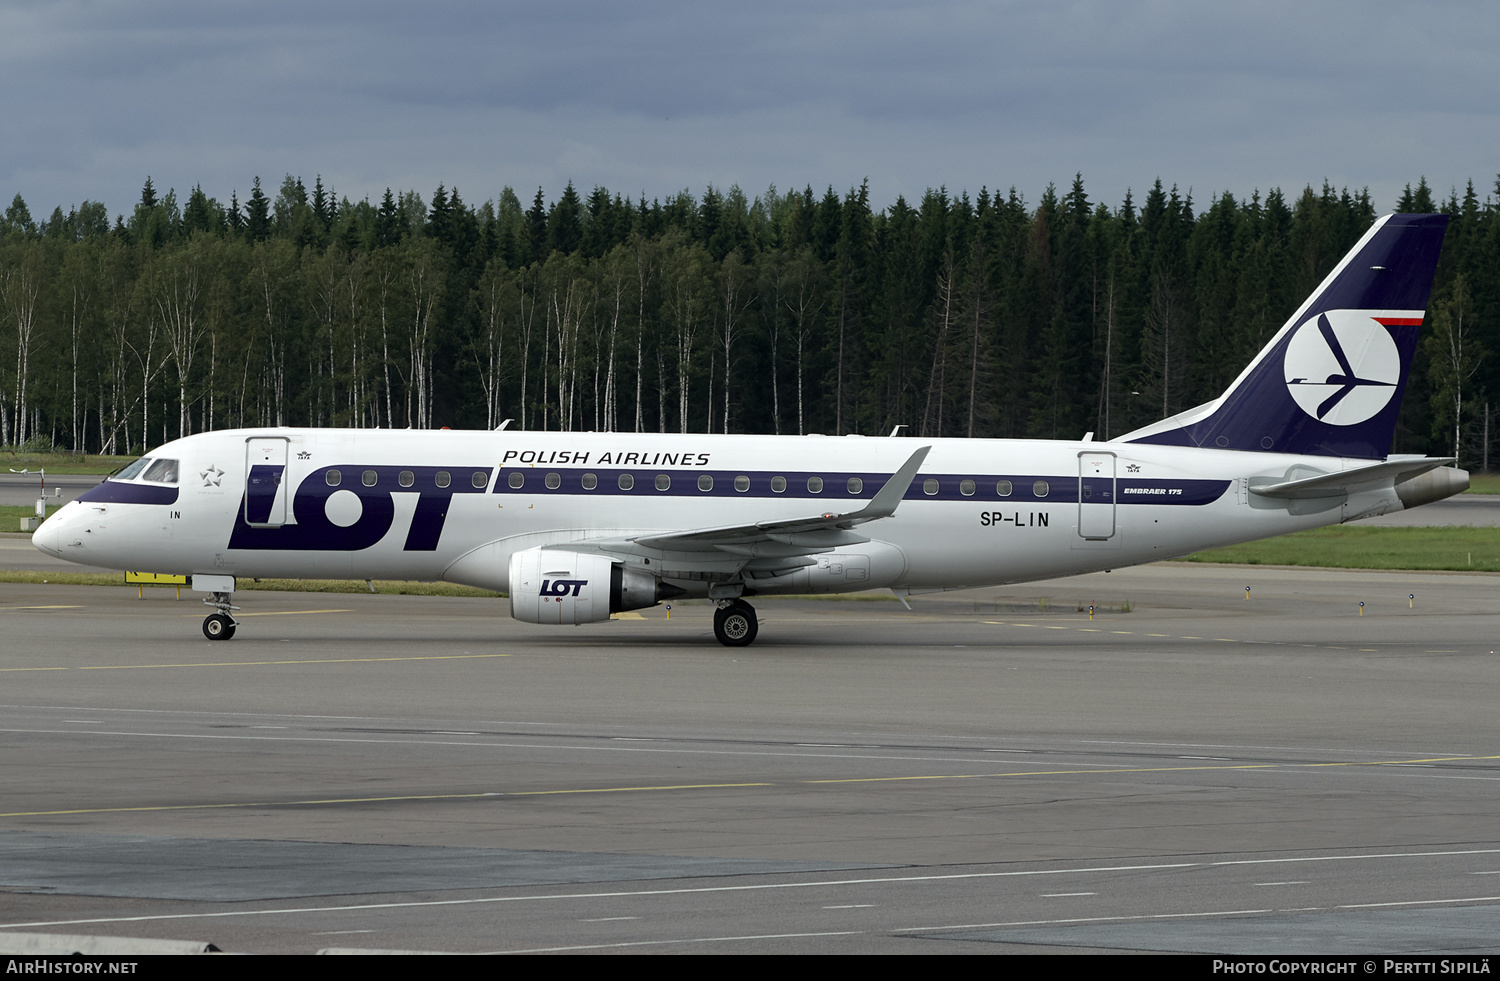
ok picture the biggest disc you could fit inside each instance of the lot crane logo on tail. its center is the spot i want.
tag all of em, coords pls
(1342, 367)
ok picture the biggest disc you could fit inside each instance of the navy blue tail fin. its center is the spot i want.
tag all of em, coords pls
(1330, 382)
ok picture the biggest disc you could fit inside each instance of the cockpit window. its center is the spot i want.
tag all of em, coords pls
(134, 470)
(162, 472)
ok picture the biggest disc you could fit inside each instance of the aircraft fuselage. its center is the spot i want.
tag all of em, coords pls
(453, 505)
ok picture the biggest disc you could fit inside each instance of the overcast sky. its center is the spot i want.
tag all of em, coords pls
(655, 96)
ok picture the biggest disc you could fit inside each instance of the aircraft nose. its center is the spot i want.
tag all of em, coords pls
(48, 538)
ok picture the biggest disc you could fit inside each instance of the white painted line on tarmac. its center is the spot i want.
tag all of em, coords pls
(687, 940)
(831, 884)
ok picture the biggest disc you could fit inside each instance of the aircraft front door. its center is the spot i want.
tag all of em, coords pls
(1096, 496)
(266, 486)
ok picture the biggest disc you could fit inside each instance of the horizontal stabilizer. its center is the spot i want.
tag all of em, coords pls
(1395, 470)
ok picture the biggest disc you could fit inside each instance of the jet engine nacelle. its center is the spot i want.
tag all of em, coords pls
(553, 586)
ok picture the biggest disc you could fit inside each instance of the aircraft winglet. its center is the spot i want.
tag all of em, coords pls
(883, 504)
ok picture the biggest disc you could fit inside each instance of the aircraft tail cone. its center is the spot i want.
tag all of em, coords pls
(1434, 485)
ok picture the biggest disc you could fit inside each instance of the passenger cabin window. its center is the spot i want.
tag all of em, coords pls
(1004, 488)
(705, 482)
(480, 479)
(590, 481)
(966, 488)
(856, 485)
(443, 478)
(162, 472)
(368, 478)
(406, 479)
(815, 485)
(742, 483)
(626, 481)
(1040, 488)
(778, 485)
(553, 481)
(929, 487)
(663, 482)
(517, 480)
(332, 478)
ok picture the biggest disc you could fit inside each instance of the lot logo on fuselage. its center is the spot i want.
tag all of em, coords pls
(1342, 367)
(354, 509)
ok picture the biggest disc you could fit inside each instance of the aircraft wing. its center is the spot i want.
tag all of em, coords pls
(783, 538)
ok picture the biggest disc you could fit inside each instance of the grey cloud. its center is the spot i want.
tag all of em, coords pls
(662, 95)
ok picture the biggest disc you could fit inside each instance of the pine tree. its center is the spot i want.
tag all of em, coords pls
(599, 231)
(387, 229)
(565, 223)
(510, 226)
(234, 219)
(463, 235)
(321, 205)
(437, 217)
(856, 237)
(258, 220)
(536, 230)
(710, 215)
(201, 214)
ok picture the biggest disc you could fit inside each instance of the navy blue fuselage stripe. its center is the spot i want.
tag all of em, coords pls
(1060, 490)
(119, 492)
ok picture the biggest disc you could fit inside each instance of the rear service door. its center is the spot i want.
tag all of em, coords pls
(1096, 496)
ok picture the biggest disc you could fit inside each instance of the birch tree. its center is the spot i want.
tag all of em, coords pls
(735, 296)
(20, 292)
(1455, 357)
(495, 297)
(804, 300)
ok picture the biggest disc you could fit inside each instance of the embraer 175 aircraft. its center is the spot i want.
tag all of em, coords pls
(577, 526)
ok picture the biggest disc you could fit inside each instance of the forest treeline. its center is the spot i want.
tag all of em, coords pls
(790, 313)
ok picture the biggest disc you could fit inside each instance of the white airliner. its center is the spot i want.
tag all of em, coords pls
(577, 526)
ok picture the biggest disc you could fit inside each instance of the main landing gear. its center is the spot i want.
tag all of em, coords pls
(735, 624)
(220, 625)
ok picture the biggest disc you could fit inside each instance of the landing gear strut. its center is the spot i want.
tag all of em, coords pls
(735, 624)
(220, 625)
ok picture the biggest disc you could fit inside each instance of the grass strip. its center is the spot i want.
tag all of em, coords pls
(11, 514)
(1484, 483)
(1354, 547)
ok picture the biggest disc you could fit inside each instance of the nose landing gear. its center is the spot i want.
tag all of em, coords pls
(220, 625)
